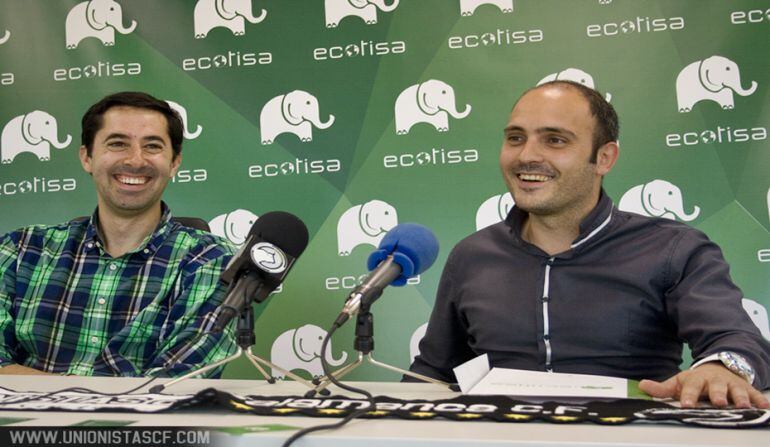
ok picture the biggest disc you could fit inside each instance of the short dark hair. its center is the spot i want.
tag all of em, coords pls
(93, 120)
(607, 124)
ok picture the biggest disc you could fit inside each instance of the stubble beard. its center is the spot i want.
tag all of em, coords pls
(567, 198)
(129, 205)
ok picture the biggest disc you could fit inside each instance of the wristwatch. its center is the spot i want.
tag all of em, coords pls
(737, 364)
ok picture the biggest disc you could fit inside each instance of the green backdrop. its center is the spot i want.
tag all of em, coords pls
(235, 81)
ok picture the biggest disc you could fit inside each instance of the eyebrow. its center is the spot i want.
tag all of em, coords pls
(541, 130)
(144, 139)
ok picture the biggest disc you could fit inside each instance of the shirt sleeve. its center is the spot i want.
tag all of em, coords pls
(706, 307)
(445, 344)
(192, 313)
(8, 256)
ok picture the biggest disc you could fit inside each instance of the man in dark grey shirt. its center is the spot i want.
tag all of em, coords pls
(568, 283)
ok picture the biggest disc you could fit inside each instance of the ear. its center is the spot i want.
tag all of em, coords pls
(648, 196)
(504, 205)
(425, 93)
(175, 163)
(606, 157)
(221, 7)
(708, 72)
(289, 108)
(228, 234)
(26, 123)
(296, 341)
(364, 215)
(85, 159)
(94, 14)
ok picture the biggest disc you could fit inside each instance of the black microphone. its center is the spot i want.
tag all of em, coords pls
(408, 249)
(274, 243)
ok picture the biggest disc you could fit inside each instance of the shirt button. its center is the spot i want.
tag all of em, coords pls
(94, 340)
(146, 250)
(90, 245)
(546, 337)
(113, 267)
(102, 301)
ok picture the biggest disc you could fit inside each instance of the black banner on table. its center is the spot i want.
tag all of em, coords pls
(460, 408)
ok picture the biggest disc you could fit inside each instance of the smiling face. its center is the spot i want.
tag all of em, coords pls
(131, 161)
(546, 152)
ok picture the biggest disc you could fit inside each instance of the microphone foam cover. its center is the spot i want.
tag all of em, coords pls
(284, 230)
(413, 246)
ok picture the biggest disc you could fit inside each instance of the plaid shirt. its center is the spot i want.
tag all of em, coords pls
(68, 307)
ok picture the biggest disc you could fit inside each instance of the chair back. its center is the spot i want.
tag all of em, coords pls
(192, 222)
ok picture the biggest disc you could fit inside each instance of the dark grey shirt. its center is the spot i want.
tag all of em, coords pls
(620, 302)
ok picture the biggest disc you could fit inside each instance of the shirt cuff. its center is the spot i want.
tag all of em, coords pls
(711, 358)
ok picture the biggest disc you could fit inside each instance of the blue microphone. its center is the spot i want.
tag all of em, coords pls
(406, 250)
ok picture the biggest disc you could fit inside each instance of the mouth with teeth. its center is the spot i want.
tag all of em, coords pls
(533, 180)
(533, 177)
(131, 179)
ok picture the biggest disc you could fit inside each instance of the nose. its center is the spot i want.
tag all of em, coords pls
(530, 152)
(135, 156)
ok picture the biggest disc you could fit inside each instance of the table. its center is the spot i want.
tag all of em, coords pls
(371, 433)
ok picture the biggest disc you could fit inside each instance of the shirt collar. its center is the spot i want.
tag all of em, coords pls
(590, 226)
(596, 220)
(150, 244)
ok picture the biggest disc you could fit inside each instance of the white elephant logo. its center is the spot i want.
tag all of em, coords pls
(414, 342)
(715, 79)
(574, 75)
(336, 10)
(468, 7)
(5, 37)
(34, 132)
(364, 224)
(95, 18)
(295, 112)
(657, 198)
(233, 226)
(183, 114)
(429, 102)
(230, 14)
(758, 315)
(495, 209)
(300, 348)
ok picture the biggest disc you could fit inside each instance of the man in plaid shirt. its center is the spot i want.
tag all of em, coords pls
(128, 291)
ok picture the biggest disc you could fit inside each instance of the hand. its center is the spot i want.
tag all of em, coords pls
(710, 379)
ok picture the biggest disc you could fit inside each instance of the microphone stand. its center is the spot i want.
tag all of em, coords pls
(245, 340)
(364, 344)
